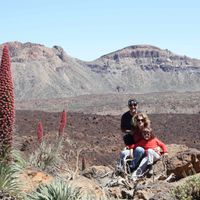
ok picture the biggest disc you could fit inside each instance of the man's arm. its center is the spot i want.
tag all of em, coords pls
(122, 124)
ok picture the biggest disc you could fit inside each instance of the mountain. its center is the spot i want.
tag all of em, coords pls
(42, 73)
(144, 69)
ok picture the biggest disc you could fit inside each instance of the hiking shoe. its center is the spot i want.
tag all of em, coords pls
(149, 171)
(131, 168)
(150, 167)
(134, 178)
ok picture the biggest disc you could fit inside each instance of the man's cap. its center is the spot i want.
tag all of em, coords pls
(132, 102)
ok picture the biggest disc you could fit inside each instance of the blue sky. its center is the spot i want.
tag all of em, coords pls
(88, 29)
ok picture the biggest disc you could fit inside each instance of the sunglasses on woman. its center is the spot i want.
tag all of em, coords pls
(140, 120)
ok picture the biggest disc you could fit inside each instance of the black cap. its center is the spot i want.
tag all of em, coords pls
(132, 102)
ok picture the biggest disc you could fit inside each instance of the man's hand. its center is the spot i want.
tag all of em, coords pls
(126, 148)
(131, 153)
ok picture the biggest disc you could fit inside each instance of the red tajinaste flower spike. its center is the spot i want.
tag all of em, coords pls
(63, 121)
(7, 108)
(40, 132)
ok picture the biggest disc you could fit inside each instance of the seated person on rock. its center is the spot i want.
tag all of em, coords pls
(139, 122)
(152, 149)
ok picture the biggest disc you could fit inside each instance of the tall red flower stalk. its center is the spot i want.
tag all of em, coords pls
(7, 108)
(40, 132)
(63, 121)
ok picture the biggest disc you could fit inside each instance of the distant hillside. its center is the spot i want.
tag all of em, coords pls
(41, 72)
(144, 68)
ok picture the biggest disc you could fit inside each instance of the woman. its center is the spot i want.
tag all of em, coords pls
(139, 122)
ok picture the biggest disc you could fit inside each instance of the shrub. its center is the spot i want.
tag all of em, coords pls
(58, 190)
(188, 191)
(47, 155)
(9, 172)
(8, 181)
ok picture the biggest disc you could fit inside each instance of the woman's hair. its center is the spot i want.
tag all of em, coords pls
(147, 121)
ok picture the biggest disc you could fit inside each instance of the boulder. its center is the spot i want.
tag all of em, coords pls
(88, 187)
(97, 172)
(184, 163)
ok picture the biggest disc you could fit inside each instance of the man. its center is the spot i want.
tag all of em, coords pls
(126, 119)
(127, 128)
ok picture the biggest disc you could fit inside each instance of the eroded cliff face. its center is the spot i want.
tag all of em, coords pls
(41, 72)
(144, 68)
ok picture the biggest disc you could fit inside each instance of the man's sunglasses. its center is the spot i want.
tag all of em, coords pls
(133, 104)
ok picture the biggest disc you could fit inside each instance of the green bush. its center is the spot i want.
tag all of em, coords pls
(58, 190)
(9, 173)
(189, 190)
(8, 180)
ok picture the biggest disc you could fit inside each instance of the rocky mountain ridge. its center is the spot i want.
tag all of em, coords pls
(144, 68)
(45, 73)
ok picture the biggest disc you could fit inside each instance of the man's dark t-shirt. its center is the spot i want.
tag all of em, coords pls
(126, 121)
(126, 125)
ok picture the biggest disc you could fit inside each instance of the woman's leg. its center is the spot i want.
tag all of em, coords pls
(123, 155)
(138, 154)
(141, 168)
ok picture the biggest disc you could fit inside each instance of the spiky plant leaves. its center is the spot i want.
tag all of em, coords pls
(8, 179)
(19, 162)
(58, 190)
(9, 174)
(46, 156)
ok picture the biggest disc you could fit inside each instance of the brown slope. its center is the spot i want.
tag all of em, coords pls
(101, 136)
